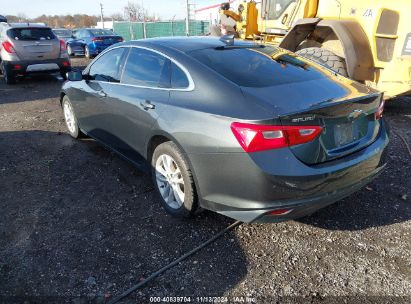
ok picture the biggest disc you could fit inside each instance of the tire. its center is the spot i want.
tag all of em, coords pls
(325, 58)
(9, 77)
(70, 119)
(87, 53)
(63, 75)
(168, 185)
(69, 50)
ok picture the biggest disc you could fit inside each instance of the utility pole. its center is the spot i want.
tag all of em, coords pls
(188, 18)
(144, 20)
(102, 15)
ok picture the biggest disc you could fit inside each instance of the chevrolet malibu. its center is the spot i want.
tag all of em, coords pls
(246, 130)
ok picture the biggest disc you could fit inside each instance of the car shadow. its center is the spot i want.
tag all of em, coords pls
(31, 88)
(77, 220)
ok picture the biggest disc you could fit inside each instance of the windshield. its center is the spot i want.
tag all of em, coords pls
(31, 34)
(99, 32)
(63, 33)
(257, 67)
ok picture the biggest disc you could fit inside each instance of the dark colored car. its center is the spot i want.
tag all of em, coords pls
(63, 34)
(246, 130)
(91, 42)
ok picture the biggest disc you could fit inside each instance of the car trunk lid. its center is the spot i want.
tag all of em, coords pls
(34, 43)
(346, 113)
(348, 126)
(107, 40)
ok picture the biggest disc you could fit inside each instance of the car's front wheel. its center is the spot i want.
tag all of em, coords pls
(70, 118)
(173, 180)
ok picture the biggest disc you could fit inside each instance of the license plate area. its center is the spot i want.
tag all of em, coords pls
(344, 134)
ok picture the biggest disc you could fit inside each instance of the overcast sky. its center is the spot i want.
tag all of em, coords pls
(166, 9)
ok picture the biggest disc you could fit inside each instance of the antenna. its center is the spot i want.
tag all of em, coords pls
(228, 39)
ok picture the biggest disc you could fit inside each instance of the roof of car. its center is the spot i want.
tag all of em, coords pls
(27, 24)
(187, 44)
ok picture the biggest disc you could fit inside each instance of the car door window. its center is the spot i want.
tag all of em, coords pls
(109, 66)
(179, 79)
(147, 69)
(275, 8)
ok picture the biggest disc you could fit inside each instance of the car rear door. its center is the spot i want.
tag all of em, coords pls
(141, 97)
(33, 43)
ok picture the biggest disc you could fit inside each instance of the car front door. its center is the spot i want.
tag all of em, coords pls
(95, 96)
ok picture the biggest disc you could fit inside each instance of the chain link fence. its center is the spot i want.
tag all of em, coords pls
(135, 30)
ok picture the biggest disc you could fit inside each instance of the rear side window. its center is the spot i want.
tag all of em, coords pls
(109, 66)
(179, 79)
(250, 67)
(31, 34)
(146, 68)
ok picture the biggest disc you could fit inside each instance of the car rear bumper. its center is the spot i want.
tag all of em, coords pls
(37, 66)
(249, 186)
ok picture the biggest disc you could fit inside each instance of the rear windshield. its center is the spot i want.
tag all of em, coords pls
(256, 67)
(31, 34)
(63, 33)
(98, 32)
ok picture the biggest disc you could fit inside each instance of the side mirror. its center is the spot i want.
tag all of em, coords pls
(75, 76)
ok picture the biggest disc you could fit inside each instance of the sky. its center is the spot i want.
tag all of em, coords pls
(165, 9)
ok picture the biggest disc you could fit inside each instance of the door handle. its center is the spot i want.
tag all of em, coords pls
(147, 105)
(102, 94)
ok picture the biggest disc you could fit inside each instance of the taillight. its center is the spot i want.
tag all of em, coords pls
(380, 110)
(8, 47)
(63, 46)
(279, 212)
(97, 39)
(120, 39)
(254, 137)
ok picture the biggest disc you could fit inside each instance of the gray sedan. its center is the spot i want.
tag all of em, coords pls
(250, 131)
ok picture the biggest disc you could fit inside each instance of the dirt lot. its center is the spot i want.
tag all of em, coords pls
(78, 224)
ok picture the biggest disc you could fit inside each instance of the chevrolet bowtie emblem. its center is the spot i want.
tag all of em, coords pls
(355, 114)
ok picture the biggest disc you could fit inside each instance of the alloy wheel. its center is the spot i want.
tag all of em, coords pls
(69, 117)
(170, 181)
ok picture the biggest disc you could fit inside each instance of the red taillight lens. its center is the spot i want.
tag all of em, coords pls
(380, 110)
(63, 46)
(120, 39)
(280, 212)
(253, 138)
(66, 63)
(17, 67)
(97, 39)
(8, 47)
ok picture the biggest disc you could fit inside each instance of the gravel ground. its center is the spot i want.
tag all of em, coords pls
(80, 225)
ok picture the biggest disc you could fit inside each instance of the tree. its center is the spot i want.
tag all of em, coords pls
(134, 12)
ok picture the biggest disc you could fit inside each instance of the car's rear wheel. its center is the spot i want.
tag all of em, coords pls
(9, 77)
(325, 58)
(70, 118)
(63, 74)
(69, 50)
(173, 180)
(87, 52)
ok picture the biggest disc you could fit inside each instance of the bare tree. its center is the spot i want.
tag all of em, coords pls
(22, 17)
(134, 12)
(117, 17)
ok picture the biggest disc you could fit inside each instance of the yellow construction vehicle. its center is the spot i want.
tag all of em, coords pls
(365, 40)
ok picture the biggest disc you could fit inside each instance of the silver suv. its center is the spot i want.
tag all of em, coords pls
(27, 48)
